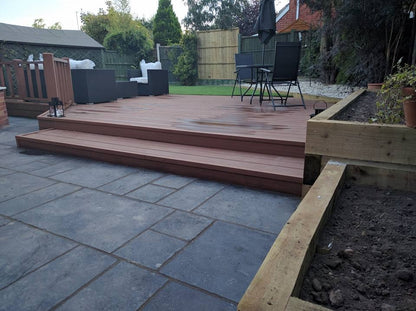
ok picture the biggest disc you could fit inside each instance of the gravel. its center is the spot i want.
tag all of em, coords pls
(320, 89)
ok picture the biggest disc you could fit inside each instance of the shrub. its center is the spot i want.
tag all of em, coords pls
(390, 99)
(186, 70)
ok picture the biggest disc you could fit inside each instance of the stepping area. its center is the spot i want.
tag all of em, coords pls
(77, 233)
(209, 137)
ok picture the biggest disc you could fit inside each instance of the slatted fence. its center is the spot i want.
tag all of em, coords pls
(120, 63)
(216, 50)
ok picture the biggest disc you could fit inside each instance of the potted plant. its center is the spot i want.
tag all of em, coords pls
(398, 96)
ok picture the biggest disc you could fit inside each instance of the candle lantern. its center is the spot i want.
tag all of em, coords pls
(56, 108)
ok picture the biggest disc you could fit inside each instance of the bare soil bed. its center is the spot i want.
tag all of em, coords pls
(363, 109)
(366, 254)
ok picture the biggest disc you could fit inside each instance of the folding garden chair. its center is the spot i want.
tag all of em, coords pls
(244, 73)
(285, 71)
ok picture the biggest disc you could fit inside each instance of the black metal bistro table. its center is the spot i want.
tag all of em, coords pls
(260, 78)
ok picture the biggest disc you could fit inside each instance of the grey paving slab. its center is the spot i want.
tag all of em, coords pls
(24, 249)
(3, 221)
(58, 165)
(15, 159)
(176, 297)
(53, 282)
(174, 181)
(32, 166)
(35, 198)
(131, 182)
(17, 184)
(123, 287)
(223, 260)
(256, 209)
(95, 218)
(192, 195)
(7, 137)
(5, 149)
(94, 174)
(151, 249)
(183, 225)
(5, 171)
(151, 193)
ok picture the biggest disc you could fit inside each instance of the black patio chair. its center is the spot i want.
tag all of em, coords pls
(244, 75)
(285, 72)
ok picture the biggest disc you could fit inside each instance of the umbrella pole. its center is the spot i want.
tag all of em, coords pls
(264, 48)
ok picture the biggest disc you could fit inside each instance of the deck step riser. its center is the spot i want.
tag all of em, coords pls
(228, 142)
(229, 175)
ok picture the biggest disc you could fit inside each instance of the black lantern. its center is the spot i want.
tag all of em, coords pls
(56, 108)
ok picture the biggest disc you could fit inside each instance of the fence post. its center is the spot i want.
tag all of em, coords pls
(68, 88)
(50, 76)
(20, 79)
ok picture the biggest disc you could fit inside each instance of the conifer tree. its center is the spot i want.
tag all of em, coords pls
(166, 27)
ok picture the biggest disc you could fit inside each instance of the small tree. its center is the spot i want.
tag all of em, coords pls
(166, 27)
(96, 25)
(214, 14)
(186, 70)
(248, 18)
(39, 23)
(134, 40)
(117, 30)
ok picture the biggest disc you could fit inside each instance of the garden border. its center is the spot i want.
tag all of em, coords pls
(363, 153)
(279, 279)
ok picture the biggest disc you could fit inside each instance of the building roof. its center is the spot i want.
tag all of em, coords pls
(22, 34)
(282, 12)
(298, 25)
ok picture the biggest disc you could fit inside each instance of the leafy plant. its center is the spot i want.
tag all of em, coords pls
(390, 99)
(186, 69)
(166, 27)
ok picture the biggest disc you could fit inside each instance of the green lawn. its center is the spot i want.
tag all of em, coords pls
(205, 90)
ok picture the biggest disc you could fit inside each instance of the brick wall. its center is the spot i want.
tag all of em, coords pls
(305, 14)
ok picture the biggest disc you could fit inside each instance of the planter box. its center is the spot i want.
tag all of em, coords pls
(377, 145)
(4, 119)
(363, 153)
(277, 283)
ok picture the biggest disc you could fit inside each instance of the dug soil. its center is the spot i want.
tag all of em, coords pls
(366, 254)
(363, 109)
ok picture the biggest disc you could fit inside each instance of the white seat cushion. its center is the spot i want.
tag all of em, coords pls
(145, 66)
(139, 79)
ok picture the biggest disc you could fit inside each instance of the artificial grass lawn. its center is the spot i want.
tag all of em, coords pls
(226, 90)
(218, 90)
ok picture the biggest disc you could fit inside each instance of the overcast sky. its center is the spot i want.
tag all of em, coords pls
(24, 12)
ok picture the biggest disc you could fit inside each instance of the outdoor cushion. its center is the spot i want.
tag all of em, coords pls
(140, 79)
(145, 66)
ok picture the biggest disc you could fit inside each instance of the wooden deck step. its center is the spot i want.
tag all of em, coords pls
(278, 173)
(156, 131)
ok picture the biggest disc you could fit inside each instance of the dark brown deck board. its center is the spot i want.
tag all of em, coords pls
(223, 165)
(212, 137)
(207, 121)
(259, 165)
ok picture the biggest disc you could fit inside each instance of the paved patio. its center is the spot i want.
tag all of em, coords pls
(79, 234)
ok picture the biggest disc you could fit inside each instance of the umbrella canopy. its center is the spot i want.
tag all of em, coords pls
(266, 21)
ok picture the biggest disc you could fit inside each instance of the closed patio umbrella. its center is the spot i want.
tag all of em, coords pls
(266, 22)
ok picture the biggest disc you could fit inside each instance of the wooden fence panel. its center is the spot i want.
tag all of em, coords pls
(120, 63)
(216, 49)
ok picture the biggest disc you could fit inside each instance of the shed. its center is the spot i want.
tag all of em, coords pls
(21, 41)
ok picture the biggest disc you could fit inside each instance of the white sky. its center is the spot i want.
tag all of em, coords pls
(24, 12)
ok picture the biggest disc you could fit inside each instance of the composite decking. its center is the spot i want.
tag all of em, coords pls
(212, 137)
